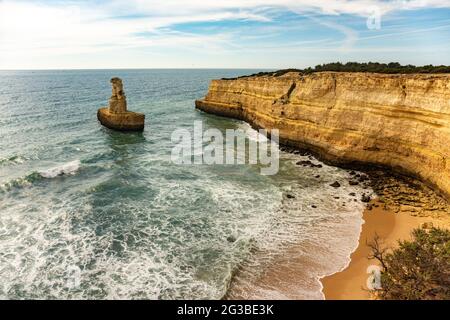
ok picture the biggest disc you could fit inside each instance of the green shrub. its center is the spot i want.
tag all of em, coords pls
(389, 68)
(417, 269)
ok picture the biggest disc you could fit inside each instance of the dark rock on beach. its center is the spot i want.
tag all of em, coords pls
(304, 163)
(335, 184)
(363, 178)
(308, 163)
(365, 198)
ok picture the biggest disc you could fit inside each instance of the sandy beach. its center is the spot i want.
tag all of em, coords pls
(350, 283)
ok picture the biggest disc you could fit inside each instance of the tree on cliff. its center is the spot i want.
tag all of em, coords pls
(392, 68)
(375, 67)
(417, 269)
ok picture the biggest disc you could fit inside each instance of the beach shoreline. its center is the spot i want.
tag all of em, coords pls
(393, 206)
(390, 226)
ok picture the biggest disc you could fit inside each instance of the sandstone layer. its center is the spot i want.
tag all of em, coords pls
(401, 122)
(125, 121)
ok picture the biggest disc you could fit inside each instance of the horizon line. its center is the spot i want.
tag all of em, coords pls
(145, 68)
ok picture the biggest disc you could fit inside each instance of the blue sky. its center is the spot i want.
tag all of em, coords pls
(58, 34)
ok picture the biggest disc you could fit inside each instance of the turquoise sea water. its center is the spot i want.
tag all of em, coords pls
(89, 213)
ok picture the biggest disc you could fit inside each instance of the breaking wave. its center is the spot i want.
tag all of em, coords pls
(66, 169)
(69, 168)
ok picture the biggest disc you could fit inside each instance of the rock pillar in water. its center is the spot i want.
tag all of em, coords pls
(116, 116)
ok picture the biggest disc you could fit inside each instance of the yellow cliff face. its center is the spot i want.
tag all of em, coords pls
(397, 121)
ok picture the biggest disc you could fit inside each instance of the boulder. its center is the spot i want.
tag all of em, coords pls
(335, 184)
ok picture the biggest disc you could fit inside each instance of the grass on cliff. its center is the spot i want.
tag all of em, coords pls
(418, 269)
(375, 67)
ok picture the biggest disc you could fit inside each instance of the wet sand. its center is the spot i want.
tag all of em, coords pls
(351, 282)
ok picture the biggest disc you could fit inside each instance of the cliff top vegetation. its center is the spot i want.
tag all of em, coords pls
(375, 67)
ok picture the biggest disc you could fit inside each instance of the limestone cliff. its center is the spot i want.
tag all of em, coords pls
(396, 121)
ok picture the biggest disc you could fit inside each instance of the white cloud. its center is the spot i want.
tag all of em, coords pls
(358, 7)
(31, 29)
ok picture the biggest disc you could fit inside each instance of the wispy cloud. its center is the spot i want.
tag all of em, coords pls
(37, 32)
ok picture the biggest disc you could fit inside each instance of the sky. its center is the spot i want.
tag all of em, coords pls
(260, 34)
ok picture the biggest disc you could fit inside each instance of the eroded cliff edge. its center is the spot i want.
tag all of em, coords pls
(397, 121)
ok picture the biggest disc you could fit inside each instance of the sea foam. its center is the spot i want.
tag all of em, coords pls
(69, 168)
(66, 169)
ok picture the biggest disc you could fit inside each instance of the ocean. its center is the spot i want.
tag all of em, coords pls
(89, 213)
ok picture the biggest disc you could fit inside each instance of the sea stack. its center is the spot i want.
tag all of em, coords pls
(116, 116)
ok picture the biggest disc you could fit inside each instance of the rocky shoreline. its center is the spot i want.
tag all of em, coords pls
(395, 205)
(393, 191)
(398, 204)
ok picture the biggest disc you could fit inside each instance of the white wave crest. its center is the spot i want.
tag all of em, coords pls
(69, 168)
